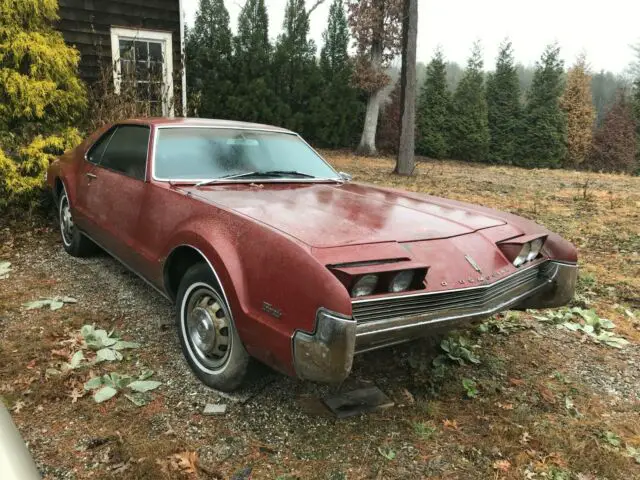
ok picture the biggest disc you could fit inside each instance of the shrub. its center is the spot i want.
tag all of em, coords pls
(41, 98)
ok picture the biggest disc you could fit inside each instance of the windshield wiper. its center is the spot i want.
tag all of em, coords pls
(264, 174)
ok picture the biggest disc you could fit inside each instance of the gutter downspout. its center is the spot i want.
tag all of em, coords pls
(182, 55)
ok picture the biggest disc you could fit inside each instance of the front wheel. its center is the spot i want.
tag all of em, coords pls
(209, 339)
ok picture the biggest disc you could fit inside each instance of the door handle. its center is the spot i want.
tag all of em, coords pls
(91, 176)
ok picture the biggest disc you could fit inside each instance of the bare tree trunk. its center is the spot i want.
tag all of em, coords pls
(406, 150)
(368, 140)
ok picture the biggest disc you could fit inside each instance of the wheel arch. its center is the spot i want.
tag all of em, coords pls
(181, 258)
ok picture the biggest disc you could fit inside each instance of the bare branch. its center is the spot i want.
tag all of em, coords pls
(315, 5)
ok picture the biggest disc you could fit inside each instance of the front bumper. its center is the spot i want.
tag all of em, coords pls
(327, 354)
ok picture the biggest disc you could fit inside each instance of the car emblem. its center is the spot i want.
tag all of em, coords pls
(473, 263)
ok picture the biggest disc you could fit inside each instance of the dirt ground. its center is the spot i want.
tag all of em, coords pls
(544, 403)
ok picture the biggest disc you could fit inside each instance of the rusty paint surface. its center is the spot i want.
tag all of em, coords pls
(272, 244)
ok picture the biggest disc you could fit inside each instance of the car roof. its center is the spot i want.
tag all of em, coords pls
(203, 122)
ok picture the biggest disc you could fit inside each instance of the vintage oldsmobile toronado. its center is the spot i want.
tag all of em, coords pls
(269, 253)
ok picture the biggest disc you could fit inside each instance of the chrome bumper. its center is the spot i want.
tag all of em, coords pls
(327, 354)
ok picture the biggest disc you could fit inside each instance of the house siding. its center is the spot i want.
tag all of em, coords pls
(86, 24)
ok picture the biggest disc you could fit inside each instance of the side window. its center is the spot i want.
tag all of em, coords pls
(94, 155)
(127, 151)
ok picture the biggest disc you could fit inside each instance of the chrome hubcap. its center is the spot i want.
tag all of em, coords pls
(208, 327)
(66, 221)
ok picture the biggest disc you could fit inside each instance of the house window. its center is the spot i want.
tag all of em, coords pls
(143, 63)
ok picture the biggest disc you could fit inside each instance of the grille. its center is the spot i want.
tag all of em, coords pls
(467, 299)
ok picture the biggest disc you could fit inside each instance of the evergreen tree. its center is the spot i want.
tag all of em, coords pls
(41, 97)
(577, 103)
(469, 131)
(545, 126)
(340, 109)
(208, 60)
(433, 110)
(604, 86)
(614, 143)
(297, 75)
(254, 98)
(504, 109)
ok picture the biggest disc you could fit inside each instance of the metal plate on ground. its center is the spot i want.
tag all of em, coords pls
(362, 400)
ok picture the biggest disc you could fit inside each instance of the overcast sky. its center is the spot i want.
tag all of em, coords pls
(604, 31)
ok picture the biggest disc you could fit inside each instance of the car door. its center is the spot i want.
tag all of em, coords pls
(116, 192)
(84, 178)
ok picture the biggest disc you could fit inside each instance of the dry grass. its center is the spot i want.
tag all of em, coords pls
(518, 427)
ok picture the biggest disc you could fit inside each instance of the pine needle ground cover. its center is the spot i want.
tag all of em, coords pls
(535, 395)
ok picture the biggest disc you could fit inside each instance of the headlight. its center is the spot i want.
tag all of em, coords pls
(536, 246)
(364, 286)
(522, 256)
(401, 281)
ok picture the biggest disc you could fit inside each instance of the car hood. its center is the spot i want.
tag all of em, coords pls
(329, 215)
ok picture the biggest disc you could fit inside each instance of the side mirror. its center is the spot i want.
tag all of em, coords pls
(345, 176)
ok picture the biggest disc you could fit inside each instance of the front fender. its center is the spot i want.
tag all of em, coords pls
(273, 284)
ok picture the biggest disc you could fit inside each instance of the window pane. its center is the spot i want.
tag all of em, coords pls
(126, 68)
(203, 153)
(142, 91)
(156, 69)
(155, 52)
(126, 49)
(127, 151)
(95, 154)
(142, 51)
(155, 91)
(155, 109)
(142, 71)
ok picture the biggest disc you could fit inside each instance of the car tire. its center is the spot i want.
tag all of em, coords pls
(208, 337)
(73, 241)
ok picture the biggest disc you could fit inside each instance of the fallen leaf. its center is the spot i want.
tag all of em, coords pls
(408, 396)
(502, 465)
(5, 268)
(524, 439)
(19, 405)
(62, 353)
(504, 406)
(516, 382)
(452, 424)
(547, 395)
(75, 394)
(186, 462)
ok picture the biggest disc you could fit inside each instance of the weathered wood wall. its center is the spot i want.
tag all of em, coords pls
(87, 23)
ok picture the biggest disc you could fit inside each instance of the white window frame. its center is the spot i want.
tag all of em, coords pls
(166, 41)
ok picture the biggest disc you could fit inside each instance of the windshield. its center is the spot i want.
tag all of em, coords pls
(200, 154)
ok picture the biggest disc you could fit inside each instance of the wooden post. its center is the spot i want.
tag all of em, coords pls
(406, 150)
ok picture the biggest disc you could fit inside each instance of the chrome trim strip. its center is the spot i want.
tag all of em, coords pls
(126, 265)
(361, 336)
(484, 312)
(266, 129)
(465, 289)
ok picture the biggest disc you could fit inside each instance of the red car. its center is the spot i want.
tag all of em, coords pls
(270, 253)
